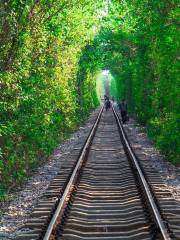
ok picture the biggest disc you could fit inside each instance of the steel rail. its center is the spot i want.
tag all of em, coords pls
(155, 211)
(59, 208)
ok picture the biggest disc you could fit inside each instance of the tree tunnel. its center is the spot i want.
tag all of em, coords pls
(52, 55)
(138, 44)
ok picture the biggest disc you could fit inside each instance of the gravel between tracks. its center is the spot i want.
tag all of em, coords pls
(17, 211)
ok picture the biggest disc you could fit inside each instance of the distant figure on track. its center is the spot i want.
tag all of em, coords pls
(123, 108)
(107, 104)
(105, 98)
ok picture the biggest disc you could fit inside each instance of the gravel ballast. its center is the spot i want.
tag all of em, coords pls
(168, 172)
(18, 210)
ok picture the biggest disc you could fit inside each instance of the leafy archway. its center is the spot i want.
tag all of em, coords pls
(51, 52)
(139, 43)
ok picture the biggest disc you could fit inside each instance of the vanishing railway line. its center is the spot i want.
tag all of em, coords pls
(103, 195)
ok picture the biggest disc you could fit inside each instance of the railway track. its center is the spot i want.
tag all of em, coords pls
(102, 195)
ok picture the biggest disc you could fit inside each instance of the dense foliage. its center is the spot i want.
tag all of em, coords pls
(44, 92)
(51, 52)
(141, 43)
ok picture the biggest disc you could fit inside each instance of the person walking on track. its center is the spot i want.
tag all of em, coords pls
(107, 104)
(123, 109)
